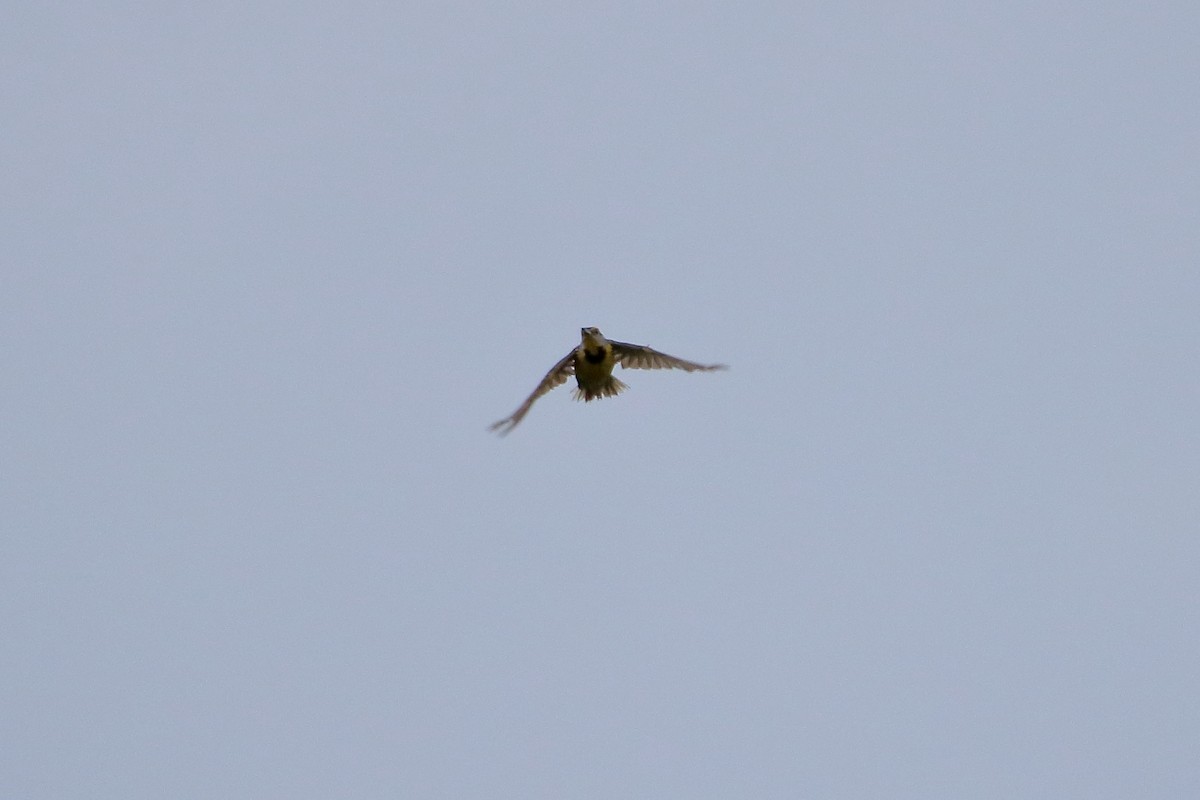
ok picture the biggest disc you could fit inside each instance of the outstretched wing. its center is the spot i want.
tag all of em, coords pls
(556, 377)
(636, 356)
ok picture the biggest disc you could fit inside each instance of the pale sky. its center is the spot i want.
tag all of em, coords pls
(270, 270)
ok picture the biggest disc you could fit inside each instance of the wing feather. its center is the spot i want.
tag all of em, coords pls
(636, 356)
(556, 377)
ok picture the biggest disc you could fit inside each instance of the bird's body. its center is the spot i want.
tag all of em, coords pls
(592, 365)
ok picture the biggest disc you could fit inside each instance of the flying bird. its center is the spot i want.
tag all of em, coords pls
(592, 364)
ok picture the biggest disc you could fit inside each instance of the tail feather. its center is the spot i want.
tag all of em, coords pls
(610, 388)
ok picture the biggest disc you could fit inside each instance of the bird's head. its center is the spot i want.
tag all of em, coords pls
(591, 336)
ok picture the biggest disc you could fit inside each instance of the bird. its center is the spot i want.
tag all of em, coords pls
(592, 364)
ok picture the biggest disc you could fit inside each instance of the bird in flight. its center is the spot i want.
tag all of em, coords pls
(592, 364)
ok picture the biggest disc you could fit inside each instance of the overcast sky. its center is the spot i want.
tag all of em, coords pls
(268, 271)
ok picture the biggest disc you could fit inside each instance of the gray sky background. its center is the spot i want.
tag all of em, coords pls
(269, 271)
